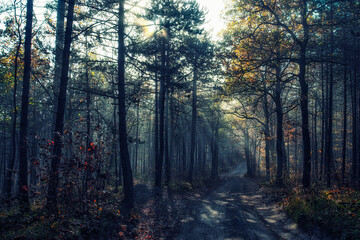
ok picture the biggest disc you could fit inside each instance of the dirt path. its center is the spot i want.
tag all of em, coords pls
(235, 210)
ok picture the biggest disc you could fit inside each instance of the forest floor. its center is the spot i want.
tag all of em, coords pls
(236, 208)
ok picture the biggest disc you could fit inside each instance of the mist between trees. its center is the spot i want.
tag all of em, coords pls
(133, 92)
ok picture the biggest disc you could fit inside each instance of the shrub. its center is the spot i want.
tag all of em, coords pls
(337, 211)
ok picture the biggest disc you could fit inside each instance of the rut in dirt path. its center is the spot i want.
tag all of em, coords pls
(232, 211)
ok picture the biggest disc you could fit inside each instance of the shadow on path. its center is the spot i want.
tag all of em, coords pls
(234, 211)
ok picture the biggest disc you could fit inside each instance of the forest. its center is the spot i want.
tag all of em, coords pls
(128, 119)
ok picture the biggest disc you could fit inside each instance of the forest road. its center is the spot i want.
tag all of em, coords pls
(234, 210)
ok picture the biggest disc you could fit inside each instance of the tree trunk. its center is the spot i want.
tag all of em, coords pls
(137, 140)
(34, 153)
(60, 113)
(123, 139)
(215, 155)
(354, 125)
(159, 160)
(3, 151)
(316, 164)
(149, 166)
(357, 62)
(115, 155)
(88, 122)
(344, 127)
(204, 156)
(24, 122)
(168, 141)
(305, 118)
(323, 121)
(296, 160)
(8, 178)
(59, 48)
(193, 125)
(267, 137)
(279, 130)
(88, 104)
(247, 152)
(156, 123)
(329, 141)
(184, 157)
(356, 117)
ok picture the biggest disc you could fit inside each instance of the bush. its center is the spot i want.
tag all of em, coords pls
(32, 225)
(336, 211)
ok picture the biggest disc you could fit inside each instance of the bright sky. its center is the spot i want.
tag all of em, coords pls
(214, 21)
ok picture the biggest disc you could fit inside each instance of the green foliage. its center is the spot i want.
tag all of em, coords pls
(180, 186)
(32, 225)
(37, 224)
(337, 211)
(300, 211)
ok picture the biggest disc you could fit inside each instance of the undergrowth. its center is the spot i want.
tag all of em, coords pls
(101, 218)
(335, 211)
(102, 221)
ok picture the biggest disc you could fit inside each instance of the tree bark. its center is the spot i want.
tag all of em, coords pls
(354, 124)
(168, 140)
(184, 157)
(323, 123)
(11, 164)
(316, 159)
(344, 126)
(247, 152)
(279, 130)
(137, 140)
(357, 84)
(267, 137)
(305, 119)
(215, 155)
(193, 125)
(123, 139)
(159, 160)
(329, 140)
(24, 122)
(59, 48)
(156, 123)
(115, 156)
(60, 113)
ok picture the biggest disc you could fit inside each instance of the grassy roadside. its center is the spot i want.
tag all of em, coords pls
(336, 211)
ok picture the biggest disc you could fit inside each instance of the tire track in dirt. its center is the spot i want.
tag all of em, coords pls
(233, 211)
